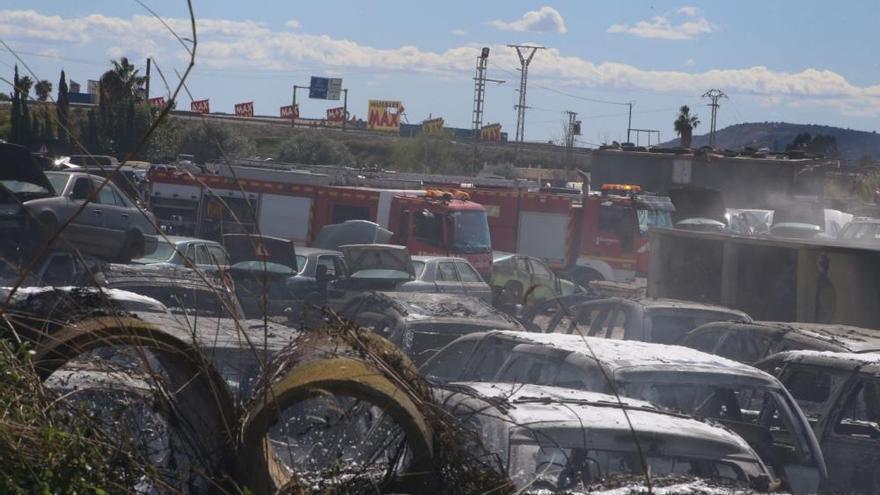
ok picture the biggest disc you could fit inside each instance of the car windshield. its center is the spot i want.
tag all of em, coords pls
(552, 467)
(20, 187)
(653, 218)
(470, 232)
(163, 252)
(418, 268)
(58, 181)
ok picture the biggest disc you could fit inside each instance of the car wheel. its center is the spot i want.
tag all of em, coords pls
(132, 248)
(512, 293)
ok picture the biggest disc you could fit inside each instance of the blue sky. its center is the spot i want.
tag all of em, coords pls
(795, 61)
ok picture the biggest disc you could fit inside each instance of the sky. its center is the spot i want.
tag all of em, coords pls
(801, 61)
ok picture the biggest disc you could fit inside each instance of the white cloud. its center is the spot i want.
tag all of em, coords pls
(237, 45)
(459, 32)
(690, 62)
(293, 24)
(543, 20)
(684, 23)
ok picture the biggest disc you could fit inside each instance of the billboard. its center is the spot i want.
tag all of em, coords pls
(490, 133)
(380, 117)
(336, 114)
(200, 106)
(322, 88)
(432, 126)
(290, 112)
(245, 109)
(157, 102)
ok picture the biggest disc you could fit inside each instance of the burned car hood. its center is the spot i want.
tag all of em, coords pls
(351, 232)
(263, 250)
(380, 257)
(16, 163)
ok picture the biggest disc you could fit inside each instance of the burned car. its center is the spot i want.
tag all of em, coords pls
(840, 394)
(562, 440)
(662, 321)
(748, 401)
(317, 267)
(421, 324)
(260, 266)
(751, 342)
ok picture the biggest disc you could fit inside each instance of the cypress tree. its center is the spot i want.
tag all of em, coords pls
(62, 108)
(15, 117)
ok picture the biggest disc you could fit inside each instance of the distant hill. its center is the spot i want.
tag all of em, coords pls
(851, 144)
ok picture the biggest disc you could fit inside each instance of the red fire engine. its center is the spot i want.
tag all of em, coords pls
(295, 205)
(594, 236)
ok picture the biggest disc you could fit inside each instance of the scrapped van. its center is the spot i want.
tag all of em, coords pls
(750, 402)
(561, 440)
(840, 394)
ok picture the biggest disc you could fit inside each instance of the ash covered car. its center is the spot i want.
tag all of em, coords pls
(518, 279)
(751, 342)
(421, 324)
(662, 321)
(565, 441)
(840, 394)
(750, 402)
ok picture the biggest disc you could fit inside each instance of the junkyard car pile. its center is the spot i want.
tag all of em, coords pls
(564, 390)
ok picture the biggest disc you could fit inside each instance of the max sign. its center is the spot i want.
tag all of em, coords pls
(290, 112)
(336, 114)
(490, 133)
(384, 115)
(244, 109)
(200, 106)
(157, 102)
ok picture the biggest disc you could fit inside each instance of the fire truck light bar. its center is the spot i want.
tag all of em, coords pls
(624, 188)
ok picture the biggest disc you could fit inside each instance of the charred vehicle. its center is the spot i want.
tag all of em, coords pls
(527, 280)
(421, 324)
(260, 266)
(750, 402)
(840, 394)
(662, 321)
(751, 342)
(549, 438)
(317, 267)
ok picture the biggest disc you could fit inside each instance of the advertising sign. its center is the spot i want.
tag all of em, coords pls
(336, 114)
(490, 133)
(380, 116)
(432, 126)
(322, 88)
(200, 106)
(244, 109)
(290, 112)
(157, 102)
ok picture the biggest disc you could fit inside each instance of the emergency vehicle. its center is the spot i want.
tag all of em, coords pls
(588, 236)
(296, 204)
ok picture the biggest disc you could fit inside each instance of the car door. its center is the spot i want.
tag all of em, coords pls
(472, 283)
(543, 282)
(88, 226)
(446, 278)
(219, 258)
(114, 223)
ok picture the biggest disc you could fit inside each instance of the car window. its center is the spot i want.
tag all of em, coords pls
(446, 272)
(539, 270)
(418, 268)
(58, 181)
(121, 200)
(570, 376)
(190, 253)
(300, 263)
(705, 341)
(811, 387)
(81, 189)
(467, 272)
(450, 361)
(328, 262)
(522, 266)
(860, 418)
(491, 358)
(105, 196)
(202, 256)
(529, 368)
(745, 347)
(218, 255)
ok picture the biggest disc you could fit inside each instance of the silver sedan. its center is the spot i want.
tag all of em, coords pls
(447, 275)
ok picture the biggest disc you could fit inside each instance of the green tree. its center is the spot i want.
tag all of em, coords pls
(685, 124)
(21, 132)
(208, 141)
(62, 109)
(43, 89)
(820, 144)
(313, 148)
(431, 154)
(120, 90)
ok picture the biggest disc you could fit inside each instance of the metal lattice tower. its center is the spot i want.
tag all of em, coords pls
(714, 95)
(480, 81)
(524, 61)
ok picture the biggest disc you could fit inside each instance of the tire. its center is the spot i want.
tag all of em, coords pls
(512, 293)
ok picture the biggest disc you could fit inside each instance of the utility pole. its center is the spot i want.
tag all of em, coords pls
(480, 81)
(525, 53)
(571, 130)
(147, 78)
(629, 122)
(714, 95)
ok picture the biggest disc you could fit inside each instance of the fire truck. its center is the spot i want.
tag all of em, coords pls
(585, 236)
(295, 204)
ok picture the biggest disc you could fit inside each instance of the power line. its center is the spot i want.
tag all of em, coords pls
(714, 95)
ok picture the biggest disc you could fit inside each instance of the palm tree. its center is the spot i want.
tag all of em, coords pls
(25, 84)
(685, 125)
(43, 89)
(122, 82)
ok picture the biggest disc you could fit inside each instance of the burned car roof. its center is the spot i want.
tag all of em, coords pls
(631, 356)
(849, 361)
(418, 306)
(844, 337)
(533, 407)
